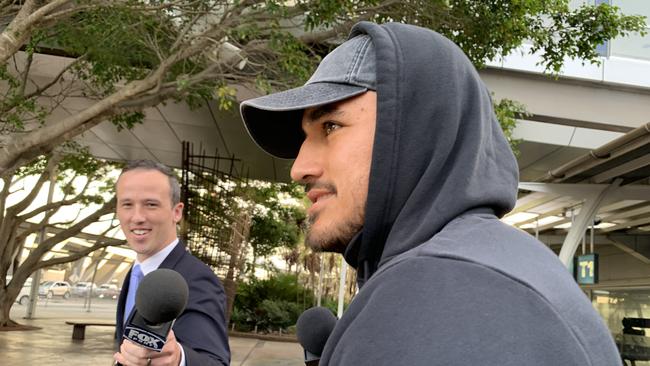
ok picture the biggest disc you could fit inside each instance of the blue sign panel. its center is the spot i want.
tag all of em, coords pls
(587, 269)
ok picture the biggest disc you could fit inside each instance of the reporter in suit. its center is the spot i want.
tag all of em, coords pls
(149, 207)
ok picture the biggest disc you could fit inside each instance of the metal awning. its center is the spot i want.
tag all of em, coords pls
(607, 188)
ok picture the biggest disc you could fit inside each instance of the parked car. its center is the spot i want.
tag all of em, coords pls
(108, 291)
(50, 289)
(81, 289)
(25, 291)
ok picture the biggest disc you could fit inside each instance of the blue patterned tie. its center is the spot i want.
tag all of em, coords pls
(136, 277)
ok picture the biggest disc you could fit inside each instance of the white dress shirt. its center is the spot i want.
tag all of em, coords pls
(151, 264)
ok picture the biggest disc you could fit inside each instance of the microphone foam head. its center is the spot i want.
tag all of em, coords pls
(314, 327)
(161, 296)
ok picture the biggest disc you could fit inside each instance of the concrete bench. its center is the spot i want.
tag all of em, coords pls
(79, 326)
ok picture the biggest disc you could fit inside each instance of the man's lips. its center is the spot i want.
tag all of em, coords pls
(318, 198)
(318, 193)
(140, 232)
(315, 194)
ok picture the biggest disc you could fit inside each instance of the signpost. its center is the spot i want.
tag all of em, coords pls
(587, 269)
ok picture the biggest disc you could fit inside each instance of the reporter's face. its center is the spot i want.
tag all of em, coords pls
(144, 208)
(334, 164)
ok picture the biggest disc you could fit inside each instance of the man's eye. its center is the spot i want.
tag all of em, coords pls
(329, 127)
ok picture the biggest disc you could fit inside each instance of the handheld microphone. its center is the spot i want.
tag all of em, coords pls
(313, 328)
(161, 297)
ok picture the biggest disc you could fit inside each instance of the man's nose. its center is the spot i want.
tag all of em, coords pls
(308, 163)
(138, 214)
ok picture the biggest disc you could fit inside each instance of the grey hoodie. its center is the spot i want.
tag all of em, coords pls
(443, 281)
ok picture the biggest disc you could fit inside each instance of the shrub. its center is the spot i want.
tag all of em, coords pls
(270, 304)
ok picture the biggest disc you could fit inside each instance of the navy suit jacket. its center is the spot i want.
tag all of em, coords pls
(201, 328)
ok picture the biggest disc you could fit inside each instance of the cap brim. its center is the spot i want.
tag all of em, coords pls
(274, 121)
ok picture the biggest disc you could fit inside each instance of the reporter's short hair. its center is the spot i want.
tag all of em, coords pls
(175, 188)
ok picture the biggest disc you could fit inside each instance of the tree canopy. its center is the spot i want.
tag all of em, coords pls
(124, 56)
(278, 217)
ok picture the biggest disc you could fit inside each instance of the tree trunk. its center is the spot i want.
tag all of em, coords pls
(240, 231)
(6, 301)
(230, 285)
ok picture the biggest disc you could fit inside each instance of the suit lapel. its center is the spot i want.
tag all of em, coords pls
(170, 262)
(121, 303)
(174, 256)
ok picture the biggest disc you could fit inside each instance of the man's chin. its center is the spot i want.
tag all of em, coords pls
(327, 241)
(327, 235)
(140, 248)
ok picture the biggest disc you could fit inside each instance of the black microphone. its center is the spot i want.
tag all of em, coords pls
(161, 297)
(313, 328)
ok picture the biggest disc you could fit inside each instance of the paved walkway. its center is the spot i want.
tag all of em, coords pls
(53, 345)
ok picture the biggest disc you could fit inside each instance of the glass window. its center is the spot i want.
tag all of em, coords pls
(634, 46)
(636, 7)
(627, 315)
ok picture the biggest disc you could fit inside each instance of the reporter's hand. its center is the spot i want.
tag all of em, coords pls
(132, 354)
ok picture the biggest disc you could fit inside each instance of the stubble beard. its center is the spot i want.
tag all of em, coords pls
(336, 237)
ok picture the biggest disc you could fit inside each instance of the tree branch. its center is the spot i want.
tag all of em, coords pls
(42, 89)
(45, 176)
(28, 65)
(6, 184)
(20, 29)
(77, 255)
(4, 4)
(65, 223)
(16, 150)
(35, 256)
(33, 229)
(8, 244)
(183, 33)
(64, 14)
(23, 147)
(17, 32)
(52, 206)
(44, 139)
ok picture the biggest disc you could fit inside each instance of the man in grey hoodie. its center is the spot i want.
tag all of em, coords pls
(408, 171)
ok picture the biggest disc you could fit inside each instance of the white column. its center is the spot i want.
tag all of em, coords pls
(344, 271)
(583, 220)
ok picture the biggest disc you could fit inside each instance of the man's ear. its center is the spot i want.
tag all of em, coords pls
(178, 212)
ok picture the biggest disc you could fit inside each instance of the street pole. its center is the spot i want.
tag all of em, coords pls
(92, 281)
(36, 276)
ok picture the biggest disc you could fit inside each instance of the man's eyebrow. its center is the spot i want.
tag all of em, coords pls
(322, 111)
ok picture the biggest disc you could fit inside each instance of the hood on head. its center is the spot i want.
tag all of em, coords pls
(438, 151)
